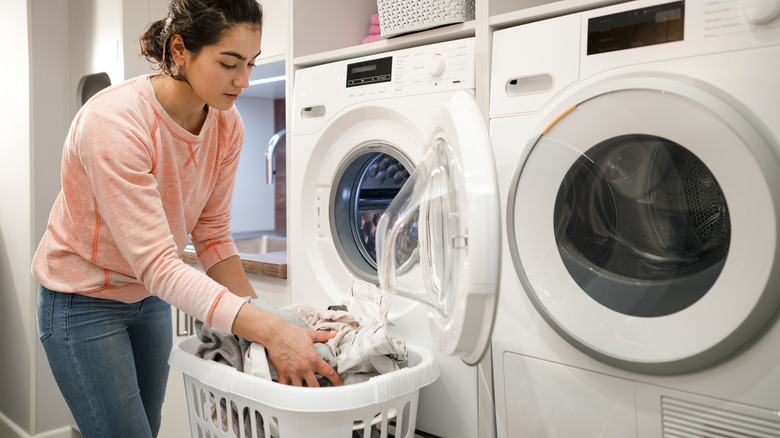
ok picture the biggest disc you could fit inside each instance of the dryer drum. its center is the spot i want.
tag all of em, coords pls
(708, 217)
(642, 225)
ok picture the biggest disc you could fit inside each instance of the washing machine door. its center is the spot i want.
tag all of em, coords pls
(438, 241)
(644, 227)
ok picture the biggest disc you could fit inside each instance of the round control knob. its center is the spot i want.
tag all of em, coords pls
(760, 11)
(436, 64)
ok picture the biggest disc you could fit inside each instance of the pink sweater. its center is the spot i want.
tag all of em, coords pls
(134, 185)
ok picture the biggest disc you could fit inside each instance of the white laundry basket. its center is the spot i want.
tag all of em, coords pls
(226, 403)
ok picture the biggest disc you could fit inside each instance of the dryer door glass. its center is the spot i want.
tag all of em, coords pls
(642, 225)
(438, 241)
(636, 217)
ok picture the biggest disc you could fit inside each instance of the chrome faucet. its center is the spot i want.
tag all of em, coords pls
(270, 166)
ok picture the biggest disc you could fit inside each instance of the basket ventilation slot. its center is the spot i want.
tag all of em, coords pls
(683, 419)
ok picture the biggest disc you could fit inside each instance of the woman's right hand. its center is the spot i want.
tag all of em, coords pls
(290, 348)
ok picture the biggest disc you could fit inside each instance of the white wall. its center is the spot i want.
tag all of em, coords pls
(50, 45)
(52, 106)
(16, 322)
(94, 40)
(136, 16)
(253, 199)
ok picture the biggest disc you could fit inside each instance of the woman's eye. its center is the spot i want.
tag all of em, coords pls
(229, 67)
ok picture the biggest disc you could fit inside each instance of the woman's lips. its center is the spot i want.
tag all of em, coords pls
(232, 96)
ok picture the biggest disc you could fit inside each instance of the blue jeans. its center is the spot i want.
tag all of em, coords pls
(110, 360)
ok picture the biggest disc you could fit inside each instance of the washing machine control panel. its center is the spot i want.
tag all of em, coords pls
(373, 71)
(323, 91)
(431, 68)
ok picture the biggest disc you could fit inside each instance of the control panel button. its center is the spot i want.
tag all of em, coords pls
(436, 64)
(760, 11)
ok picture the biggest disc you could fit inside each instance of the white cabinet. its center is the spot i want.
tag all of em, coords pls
(276, 30)
(175, 416)
(320, 27)
(136, 16)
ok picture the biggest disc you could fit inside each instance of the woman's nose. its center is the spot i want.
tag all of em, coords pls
(242, 80)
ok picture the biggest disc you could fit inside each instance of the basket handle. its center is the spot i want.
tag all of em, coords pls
(406, 380)
(217, 375)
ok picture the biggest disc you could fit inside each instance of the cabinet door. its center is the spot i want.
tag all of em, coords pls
(276, 28)
(175, 416)
(136, 16)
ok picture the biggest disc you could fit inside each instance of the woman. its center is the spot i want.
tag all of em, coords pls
(145, 164)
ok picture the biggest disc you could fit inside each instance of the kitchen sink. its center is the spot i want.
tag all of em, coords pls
(261, 244)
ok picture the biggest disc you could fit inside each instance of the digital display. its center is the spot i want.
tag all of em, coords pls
(369, 72)
(637, 28)
(364, 68)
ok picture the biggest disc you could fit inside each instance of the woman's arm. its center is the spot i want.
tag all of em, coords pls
(230, 273)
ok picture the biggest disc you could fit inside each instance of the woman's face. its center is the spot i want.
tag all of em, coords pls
(221, 71)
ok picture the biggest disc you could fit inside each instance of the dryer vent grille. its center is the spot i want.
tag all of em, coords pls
(683, 419)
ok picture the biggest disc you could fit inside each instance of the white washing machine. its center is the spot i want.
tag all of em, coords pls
(637, 151)
(402, 125)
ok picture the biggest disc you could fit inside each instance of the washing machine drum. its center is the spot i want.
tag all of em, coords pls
(365, 188)
(642, 225)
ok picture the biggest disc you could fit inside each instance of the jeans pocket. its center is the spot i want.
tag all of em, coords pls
(45, 312)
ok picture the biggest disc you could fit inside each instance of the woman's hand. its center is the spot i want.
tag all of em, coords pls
(295, 359)
(290, 348)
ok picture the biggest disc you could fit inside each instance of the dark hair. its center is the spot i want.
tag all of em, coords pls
(200, 23)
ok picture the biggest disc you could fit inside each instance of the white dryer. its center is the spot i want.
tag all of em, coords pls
(638, 150)
(402, 125)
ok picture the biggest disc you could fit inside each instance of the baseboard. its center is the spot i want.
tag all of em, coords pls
(9, 429)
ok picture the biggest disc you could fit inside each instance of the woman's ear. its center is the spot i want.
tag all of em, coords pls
(178, 51)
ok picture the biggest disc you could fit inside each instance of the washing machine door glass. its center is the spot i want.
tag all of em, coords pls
(643, 226)
(438, 240)
(365, 186)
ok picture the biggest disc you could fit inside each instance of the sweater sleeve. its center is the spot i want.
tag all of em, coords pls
(211, 236)
(118, 161)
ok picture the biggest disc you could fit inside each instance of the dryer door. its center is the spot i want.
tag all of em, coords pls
(644, 227)
(438, 241)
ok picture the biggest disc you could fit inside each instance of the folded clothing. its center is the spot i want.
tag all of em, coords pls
(371, 39)
(374, 31)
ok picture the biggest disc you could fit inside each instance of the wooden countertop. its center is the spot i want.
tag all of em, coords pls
(272, 264)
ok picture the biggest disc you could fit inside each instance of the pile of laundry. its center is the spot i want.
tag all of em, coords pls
(362, 347)
(374, 31)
